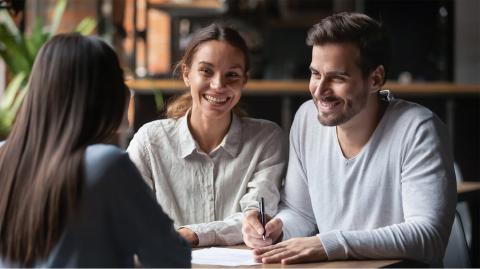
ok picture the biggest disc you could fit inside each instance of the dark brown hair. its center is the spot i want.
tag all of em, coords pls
(76, 97)
(215, 31)
(368, 35)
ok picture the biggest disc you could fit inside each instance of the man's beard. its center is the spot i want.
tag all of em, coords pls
(352, 109)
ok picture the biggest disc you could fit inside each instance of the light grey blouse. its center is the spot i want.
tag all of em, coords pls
(207, 193)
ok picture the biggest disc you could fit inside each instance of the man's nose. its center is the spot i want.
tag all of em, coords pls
(319, 88)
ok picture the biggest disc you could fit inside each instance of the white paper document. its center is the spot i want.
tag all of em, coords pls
(223, 256)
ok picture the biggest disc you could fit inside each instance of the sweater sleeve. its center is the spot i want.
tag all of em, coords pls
(265, 182)
(295, 209)
(140, 223)
(428, 200)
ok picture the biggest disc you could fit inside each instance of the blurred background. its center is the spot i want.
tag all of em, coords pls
(436, 58)
(435, 43)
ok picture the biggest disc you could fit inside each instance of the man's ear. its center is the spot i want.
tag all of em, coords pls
(185, 70)
(377, 78)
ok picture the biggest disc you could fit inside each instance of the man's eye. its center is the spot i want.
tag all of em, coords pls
(338, 78)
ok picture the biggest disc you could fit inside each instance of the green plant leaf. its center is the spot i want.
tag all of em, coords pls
(57, 16)
(10, 103)
(19, 51)
(86, 26)
(18, 101)
(37, 38)
(14, 51)
(6, 19)
(159, 102)
(12, 91)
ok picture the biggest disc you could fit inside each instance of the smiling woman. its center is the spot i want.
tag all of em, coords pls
(208, 162)
(234, 46)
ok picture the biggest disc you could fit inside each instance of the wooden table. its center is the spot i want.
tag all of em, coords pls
(333, 264)
(328, 264)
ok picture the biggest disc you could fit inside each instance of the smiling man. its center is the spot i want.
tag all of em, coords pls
(369, 176)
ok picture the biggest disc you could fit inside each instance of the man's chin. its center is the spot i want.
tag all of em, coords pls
(329, 122)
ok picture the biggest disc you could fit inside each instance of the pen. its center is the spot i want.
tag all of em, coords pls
(262, 217)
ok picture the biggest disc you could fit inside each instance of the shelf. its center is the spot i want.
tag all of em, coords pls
(189, 8)
(296, 87)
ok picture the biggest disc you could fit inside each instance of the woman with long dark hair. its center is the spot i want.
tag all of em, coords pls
(66, 199)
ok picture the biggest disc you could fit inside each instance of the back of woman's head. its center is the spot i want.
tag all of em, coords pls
(77, 84)
(76, 97)
(215, 31)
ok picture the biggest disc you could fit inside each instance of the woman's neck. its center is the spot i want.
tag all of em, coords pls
(208, 132)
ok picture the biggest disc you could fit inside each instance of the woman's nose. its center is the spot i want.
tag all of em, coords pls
(217, 82)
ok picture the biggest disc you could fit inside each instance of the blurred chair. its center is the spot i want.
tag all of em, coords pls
(463, 210)
(457, 252)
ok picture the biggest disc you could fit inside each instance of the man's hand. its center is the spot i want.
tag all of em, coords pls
(189, 235)
(295, 250)
(252, 230)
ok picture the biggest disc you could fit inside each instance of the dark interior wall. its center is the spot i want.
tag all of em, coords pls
(422, 36)
(422, 44)
(421, 32)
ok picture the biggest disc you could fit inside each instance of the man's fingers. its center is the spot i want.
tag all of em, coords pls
(277, 257)
(273, 228)
(258, 242)
(274, 223)
(272, 252)
(301, 258)
(253, 219)
(250, 231)
(260, 251)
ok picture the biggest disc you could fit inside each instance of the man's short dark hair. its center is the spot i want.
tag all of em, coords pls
(367, 34)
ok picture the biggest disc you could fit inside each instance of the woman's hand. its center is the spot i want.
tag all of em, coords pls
(189, 235)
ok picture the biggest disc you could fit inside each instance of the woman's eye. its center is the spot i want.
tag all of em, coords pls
(233, 75)
(205, 71)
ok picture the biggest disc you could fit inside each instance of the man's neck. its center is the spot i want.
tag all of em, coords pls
(355, 133)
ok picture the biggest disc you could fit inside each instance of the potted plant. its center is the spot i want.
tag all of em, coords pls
(18, 50)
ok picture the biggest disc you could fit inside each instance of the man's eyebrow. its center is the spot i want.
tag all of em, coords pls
(332, 73)
(338, 73)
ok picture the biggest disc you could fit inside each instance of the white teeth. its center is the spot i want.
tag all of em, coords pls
(328, 104)
(215, 100)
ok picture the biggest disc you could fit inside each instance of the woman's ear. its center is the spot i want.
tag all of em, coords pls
(377, 78)
(246, 77)
(185, 71)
